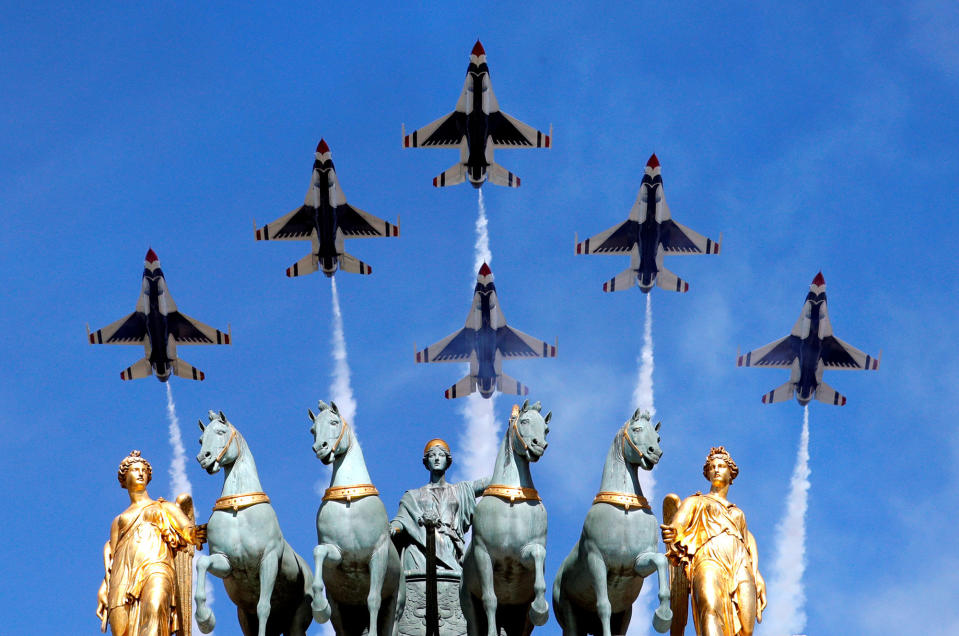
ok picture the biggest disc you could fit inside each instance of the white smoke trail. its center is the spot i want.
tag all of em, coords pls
(788, 614)
(480, 440)
(643, 399)
(341, 390)
(179, 481)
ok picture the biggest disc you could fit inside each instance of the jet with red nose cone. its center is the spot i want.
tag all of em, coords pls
(477, 127)
(485, 342)
(159, 326)
(808, 351)
(647, 236)
(326, 219)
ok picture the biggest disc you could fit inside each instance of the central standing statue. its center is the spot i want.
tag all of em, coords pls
(449, 508)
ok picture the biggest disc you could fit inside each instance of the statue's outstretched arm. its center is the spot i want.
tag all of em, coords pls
(479, 485)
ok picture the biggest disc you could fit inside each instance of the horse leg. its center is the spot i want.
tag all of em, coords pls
(562, 607)
(302, 615)
(379, 562)
(484, 571)
(218, 565)
(466, 603)
(539, 610)
(319, 605)
(269, 566)
(596, 566)
(646, 563)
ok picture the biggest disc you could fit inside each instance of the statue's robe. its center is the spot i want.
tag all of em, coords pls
(143, 553)
(455, 504)
(715, 537)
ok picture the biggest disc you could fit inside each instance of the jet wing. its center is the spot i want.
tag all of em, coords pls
(509, 132)
(513, 344)
(776, 355)
(131, 329)
(296, 226)
(837, 354)
(679, 239)
(456, 347)
(188, 331)
(618, 239)
(355, 223)
(446, 132)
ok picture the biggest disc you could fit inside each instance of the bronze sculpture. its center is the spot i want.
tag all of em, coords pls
(146, 585)
(714, 556)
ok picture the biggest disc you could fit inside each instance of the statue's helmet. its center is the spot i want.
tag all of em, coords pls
(438, 443)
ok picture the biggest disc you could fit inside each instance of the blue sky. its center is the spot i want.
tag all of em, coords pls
(814, 137)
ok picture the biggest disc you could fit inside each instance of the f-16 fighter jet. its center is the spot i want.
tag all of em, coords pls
(807, 351)
(325, 219)
(159, 327)
(476, 127)
(647, 235)
(485, 342)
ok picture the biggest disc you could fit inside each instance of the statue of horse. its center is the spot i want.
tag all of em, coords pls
(270, 584)
(355, 559)
(504, 585)
(596, 585)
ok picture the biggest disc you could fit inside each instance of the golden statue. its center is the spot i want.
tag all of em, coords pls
(146, 587)
(713, 552)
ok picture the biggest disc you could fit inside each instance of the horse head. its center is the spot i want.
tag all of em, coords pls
(641, 440)
(528, 429)
(331, 437)
(218, 443)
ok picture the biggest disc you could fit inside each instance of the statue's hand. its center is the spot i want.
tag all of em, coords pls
(430, 517)
(669, 533)
(200, 534)
(761, 597)
(102, 603)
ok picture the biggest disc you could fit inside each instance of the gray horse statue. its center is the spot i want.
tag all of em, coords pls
(270, 584)
(356, 561)
(596, 585)
(503, 589)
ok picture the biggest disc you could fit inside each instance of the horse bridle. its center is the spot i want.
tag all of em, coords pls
(519, 436)
(630, 442)
(227, 445)
(339, 438)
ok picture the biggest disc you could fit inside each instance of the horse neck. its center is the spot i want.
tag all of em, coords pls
(240, 476)
(511, 468)
(618, 475)
(349, 468)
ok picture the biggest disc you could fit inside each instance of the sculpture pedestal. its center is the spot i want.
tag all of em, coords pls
(413, 620)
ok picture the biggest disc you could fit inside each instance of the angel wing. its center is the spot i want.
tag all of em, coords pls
(183, 573)
(678, 583)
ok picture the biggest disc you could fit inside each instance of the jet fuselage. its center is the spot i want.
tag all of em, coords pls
(324, 217)
(810, 349)
(649, 232)
(486, 342)
(477, 124)
(158, 331)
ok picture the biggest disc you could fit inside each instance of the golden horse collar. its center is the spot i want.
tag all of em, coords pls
(349, 493)
(239, 502)
(624, 500)
(512, 493)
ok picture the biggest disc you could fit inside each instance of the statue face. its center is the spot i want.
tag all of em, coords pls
(719, 472)
(436, 459)
(137, 477)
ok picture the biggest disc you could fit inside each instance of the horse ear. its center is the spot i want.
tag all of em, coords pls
(636, 414)
(333, 407)
(222, 417)
(202, 428)
(658, 424)
(525, 406)
(548, 416)
(312, 417)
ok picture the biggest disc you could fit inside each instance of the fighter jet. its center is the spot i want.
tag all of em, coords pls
(647, 235)
(325, 219)
(485, 342)
(476, 127)
(807, 351)
(159, 327)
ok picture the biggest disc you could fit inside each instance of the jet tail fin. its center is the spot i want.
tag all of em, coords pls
(306, 265)
(668, 280)
(828, 395)
(453, 176)
(780, 393)
(353, 265)
(506, 384)
(140, 369)
(185, 370)
(462, 388)
(623, 280)
(498, 175)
